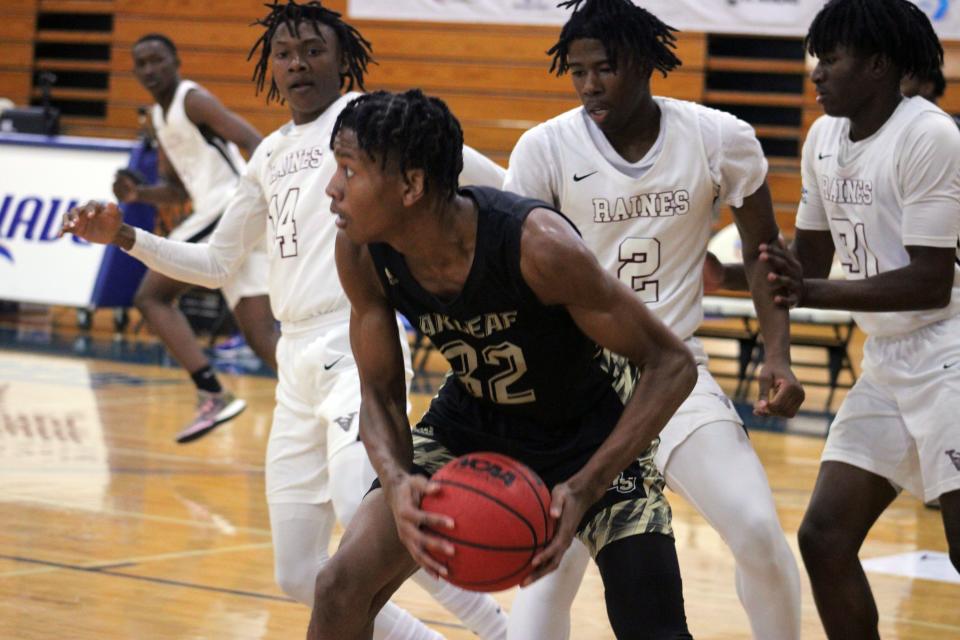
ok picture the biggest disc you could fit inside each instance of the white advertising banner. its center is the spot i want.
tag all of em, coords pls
(760, 17)
(52, 447)
(40, 183)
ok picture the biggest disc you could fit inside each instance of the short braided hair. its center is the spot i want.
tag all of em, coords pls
(896, 29)
(417, 131)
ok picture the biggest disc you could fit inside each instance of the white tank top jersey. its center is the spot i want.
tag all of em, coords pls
(283, 195)
(208, 166)
(647, 222)
(900, 187)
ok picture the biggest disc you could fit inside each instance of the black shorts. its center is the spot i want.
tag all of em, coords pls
(633, 505)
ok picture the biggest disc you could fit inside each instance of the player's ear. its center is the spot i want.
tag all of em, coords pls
(879, 65)
(414, 186)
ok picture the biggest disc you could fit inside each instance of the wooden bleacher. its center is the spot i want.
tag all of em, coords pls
(493, 76)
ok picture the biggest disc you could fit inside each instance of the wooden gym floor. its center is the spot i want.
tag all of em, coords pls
(111, 530)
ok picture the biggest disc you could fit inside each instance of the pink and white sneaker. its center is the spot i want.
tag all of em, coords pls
(213, 409)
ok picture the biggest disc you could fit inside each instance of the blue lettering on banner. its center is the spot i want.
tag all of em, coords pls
(936, 9)
(33, 219)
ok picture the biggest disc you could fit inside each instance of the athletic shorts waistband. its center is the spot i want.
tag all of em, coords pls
(293, 328)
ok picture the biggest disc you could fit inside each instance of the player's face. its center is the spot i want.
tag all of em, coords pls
(155, 67)
(365, 196)
(611, 98)
(841, 78)
(307, 69)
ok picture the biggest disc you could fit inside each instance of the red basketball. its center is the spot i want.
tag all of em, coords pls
(501, 514)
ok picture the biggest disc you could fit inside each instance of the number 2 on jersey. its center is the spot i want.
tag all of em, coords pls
(284, 222)
(640, 259)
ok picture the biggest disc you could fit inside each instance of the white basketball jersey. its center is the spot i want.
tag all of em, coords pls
(292, 167)
(899, 187)
(651, 231)
(208, 166)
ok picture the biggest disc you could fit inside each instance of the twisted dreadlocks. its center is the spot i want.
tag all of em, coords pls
(896, 29)
(416, 130)
(623, 28)
(355, 49)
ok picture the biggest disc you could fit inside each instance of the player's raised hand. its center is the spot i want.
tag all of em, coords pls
(125, 186)
(94, 221)
(567, 507)
(781, 394)
(786, 274)
(413, 523)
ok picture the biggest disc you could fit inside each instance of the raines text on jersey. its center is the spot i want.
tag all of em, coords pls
(846, 190)
(479, 327)
(644, 205)
(294, 161)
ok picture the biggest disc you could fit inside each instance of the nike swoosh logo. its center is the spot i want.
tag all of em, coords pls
(949, 365)
(577, 178)
(327, 367)
(820, 156)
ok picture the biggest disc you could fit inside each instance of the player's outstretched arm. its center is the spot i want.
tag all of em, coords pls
(208, 264)
(780, 392)
(925, 283)
(561, 270)
(384, 427)
(205, 110)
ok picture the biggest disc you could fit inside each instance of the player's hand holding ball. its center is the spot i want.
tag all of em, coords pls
(569, 502)
(428, 550)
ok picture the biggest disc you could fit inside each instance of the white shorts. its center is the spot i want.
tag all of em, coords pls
(707, 403)
(901, 420)
(318, 405)
(250, 281)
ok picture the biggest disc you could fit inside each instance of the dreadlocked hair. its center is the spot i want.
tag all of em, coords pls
(415, 130)
(355, 49)
(623, 28)
(897, 29)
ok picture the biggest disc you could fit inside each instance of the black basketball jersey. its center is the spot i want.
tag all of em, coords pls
(523, 374)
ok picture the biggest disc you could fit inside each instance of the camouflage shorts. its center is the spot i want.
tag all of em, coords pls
(633, 505)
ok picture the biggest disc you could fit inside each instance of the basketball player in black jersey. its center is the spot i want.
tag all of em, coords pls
(506, 290)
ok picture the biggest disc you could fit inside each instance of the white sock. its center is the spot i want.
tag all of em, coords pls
(479, 612)
(394, 623)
